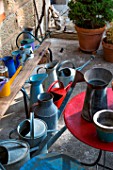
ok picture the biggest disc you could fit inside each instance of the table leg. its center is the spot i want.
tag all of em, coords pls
(104, 159)
(96, 167)
(25, 102)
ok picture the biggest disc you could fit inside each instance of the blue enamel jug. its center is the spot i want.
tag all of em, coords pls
(36, 86)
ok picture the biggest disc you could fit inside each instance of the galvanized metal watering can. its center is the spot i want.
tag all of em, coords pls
(51, 71)
(67, 74)
(97, 80)
(59, 93)
(46, 110)
(33, 135)
(33, 131)
(14, 154)
(36, 86)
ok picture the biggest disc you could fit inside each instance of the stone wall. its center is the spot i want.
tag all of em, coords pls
(19, 14)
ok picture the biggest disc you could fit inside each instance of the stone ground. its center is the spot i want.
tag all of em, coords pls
(66, 143)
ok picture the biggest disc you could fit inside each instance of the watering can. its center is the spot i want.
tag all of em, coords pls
(33, 131)
(27, 35)
(67, 74)
(28, 41)
(51, 71)
(17, 54)
(14, 154)
(36, 86)
(59, 93)
(46, 110)
(97, 80)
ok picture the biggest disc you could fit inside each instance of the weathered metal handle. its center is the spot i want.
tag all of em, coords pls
(64, 62)
(40, 68)
(32, 125)
(10, 134)
(55, 82)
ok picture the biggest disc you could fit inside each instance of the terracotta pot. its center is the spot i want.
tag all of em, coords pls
(89, 39)
(108, 50)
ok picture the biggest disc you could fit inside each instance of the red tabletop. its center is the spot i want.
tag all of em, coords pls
(83, 130)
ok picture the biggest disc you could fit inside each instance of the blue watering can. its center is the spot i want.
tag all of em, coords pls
(36, 86)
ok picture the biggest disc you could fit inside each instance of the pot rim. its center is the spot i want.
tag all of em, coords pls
(90, 31)
(106, 45)
(96, 116)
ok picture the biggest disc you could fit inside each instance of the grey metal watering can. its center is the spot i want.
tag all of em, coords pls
(97, 80)
(46, 110)
(51, 71)
(67, 74)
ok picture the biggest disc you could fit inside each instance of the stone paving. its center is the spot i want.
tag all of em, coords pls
(67, 143)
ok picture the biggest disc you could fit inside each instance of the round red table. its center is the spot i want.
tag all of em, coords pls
(83, 130)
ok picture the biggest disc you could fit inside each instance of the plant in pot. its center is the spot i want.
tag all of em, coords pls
(107, 44)
(90, 17)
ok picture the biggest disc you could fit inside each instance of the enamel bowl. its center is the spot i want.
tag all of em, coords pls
(103, 121)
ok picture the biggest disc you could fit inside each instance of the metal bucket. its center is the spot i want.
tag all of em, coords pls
(103, 121)
(18, 153)
(97, 80)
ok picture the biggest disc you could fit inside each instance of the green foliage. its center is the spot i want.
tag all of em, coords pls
(90, 13)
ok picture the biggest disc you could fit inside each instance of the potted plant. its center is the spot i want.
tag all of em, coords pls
(90, 18)
(107, 44)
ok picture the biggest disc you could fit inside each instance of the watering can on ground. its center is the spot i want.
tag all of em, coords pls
(66, 74)
(51, 71)
(36, 86)
(59, 93)
(46, 110)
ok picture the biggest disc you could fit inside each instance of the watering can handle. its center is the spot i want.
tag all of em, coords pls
(68, 86)
(33, 106)
(10, 134)
(55, 82)
(64, 62)
(112, 85)
(40, 68)
(32, 125)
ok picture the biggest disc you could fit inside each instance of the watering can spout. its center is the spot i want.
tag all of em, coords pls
(37, 78)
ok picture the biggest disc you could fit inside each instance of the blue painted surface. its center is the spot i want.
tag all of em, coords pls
(9, 62)
(55, 162)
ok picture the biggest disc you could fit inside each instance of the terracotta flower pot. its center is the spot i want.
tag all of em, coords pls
(89, 39)
(108, 50)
